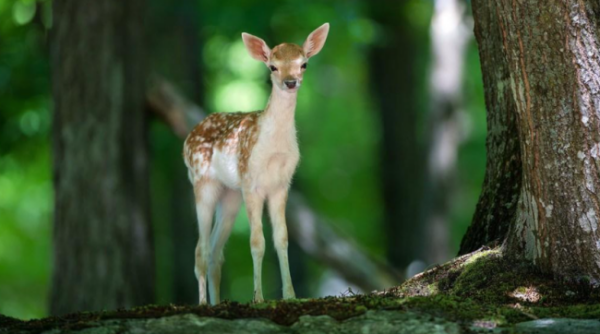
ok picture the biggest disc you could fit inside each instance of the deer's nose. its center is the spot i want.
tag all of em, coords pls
(290, 83)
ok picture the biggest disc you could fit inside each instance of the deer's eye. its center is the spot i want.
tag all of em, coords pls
(273, 68)
(304, 66)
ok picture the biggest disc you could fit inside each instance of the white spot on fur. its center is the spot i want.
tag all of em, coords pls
(581, 155)
(585, 120)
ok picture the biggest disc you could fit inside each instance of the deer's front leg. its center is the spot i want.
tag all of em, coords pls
(254, 206)
(277, 201)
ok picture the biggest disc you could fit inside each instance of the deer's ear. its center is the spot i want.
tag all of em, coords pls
(257, 48)
(315, 41)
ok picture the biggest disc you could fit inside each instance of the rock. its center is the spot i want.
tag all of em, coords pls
(373, 322)
(559, 326)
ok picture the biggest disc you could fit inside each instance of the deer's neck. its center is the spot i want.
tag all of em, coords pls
(279, 113)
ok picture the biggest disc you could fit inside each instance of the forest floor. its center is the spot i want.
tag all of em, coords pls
(478, 292)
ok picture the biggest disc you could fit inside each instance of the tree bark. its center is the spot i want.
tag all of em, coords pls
(103, 252)
(549, 56)
(497, 203)
(184, 234)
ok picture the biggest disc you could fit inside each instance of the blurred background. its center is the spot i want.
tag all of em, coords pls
(391, 127)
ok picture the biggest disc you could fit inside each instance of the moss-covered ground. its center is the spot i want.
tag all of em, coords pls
(486, 287)
(481, 288)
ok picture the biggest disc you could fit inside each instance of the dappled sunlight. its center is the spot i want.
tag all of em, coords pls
(487, 324)
(545, 323)
(30, 123)
(528, 294)
(242, 65)
(25, 212)
(240, 95)
(23, 11)
(243, 87)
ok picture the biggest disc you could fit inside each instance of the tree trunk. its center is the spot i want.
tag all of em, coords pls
(103, 254)
(547, 76)
(497, 204)
(397, 74)
(183, 212)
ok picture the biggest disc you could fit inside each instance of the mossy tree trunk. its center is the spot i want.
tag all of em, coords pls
(103, 254)
(541, 69)
(497, 204)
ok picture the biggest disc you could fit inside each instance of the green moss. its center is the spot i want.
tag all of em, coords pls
(488, 286)
(463, 310)
(574, 311)
(8, 321)
(485, 254)
(486, 278)
(483, 286)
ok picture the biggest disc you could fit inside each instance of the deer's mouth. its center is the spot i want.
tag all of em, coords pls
(291, 84)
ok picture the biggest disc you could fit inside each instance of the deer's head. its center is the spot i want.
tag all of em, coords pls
(287, 62)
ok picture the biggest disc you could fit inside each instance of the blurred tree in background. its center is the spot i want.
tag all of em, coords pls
(375, 57)
(103, 251)
(175, 47)
(398, 65)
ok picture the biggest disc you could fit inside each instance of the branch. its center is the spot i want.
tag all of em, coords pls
(314, 236)
(172, 108)
(325, 244)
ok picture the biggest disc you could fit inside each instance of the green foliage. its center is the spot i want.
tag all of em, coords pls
(25, 174)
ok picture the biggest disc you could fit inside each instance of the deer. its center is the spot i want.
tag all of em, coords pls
(251, 157)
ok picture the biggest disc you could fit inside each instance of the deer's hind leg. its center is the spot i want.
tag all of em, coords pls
(207, 193)
(227, 210)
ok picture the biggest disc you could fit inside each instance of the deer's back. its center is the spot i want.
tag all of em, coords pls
(219, 147)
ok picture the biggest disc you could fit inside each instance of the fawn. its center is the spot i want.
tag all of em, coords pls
(250, 156)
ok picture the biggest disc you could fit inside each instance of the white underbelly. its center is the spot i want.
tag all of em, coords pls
(224, 167)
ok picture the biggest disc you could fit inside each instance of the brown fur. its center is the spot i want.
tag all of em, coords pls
(287, 51)
(228, 132)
